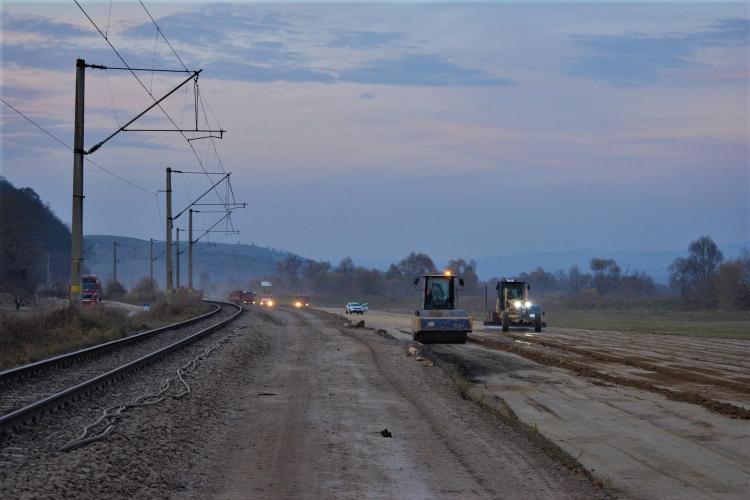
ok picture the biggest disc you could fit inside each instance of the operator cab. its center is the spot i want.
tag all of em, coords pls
(512, 294)
(439, 319)
(439, 291)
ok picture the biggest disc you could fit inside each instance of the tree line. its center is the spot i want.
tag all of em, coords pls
(702, 279)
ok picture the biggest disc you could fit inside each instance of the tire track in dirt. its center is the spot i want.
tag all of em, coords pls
(710, 404)
(637, 362)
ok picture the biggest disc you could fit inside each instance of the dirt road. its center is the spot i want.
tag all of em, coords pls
(649, 414)
(312, 425)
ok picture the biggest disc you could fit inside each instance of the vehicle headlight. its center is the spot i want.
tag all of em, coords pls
(517, 304)
(527, 304)
(298, 304)
(270, 303)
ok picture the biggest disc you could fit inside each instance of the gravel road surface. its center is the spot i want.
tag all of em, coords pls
(314, 420)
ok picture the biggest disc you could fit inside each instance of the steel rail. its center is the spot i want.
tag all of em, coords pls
(43, 365)
(49, 403)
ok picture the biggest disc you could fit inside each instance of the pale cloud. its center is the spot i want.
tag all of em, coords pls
(634, 59)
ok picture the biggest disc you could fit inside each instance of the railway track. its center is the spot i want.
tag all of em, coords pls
(28, 391)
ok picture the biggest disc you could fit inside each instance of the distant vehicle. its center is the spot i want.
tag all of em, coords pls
(266, 299)
(91, 289)
(354, 308)
(302, 301)
(439, 319)
(242, 297)
(513, 308)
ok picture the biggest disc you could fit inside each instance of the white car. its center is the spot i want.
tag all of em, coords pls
(355, 308)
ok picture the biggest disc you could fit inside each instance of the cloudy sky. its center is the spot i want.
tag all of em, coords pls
(375, 129)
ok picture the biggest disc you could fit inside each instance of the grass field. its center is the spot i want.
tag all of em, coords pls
(716, 323)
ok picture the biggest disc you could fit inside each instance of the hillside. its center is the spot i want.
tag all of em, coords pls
(232, 264)
(31, 235)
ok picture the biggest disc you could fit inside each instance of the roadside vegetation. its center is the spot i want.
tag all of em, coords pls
(32, 336)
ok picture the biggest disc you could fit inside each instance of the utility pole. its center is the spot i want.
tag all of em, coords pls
(169, 229)
(114, 262)
(151, 263)
(76, 243)
(49, 278)
(177, 257)
(190, 249)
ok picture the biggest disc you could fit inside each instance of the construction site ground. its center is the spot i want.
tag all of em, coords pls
(653, 416)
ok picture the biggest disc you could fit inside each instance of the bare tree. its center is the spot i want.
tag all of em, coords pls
(693, 276)
(606, 274)
(576, 280)
(733, 283)
(416, 264)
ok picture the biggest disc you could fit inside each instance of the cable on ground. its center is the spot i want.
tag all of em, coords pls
(174, 387)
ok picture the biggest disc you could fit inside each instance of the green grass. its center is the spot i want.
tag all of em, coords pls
(713, 323)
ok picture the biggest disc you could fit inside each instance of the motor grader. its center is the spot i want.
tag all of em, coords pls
(513, 307)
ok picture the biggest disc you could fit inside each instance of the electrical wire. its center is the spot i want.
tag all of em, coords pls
(203, 103)
(111, 97)
(158, 29)
(132, 72)
(67, 146)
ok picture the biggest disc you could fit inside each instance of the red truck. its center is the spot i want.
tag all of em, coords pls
(91, 289)
(242, 297)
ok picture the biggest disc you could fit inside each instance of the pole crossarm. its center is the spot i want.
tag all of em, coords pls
(210, 228)
(220, 136)
(220, 131)
(101, 66)
(156, 103)
(197, 172)
(230, 206)
(201, 196)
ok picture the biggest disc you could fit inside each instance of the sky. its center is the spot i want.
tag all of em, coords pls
(373, 129)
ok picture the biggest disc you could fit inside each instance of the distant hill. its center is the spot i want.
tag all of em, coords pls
(232, 264)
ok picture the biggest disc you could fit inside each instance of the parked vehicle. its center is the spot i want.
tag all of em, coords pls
(91, 289)
(242, 297)
(354, 308)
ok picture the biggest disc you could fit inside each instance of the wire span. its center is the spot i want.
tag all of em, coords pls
(68, 147)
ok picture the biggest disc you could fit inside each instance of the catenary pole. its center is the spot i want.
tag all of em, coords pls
(169, 230)
(177, 258)
(76, 243)
(114, 262)
(190, 250)
(151, 263)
